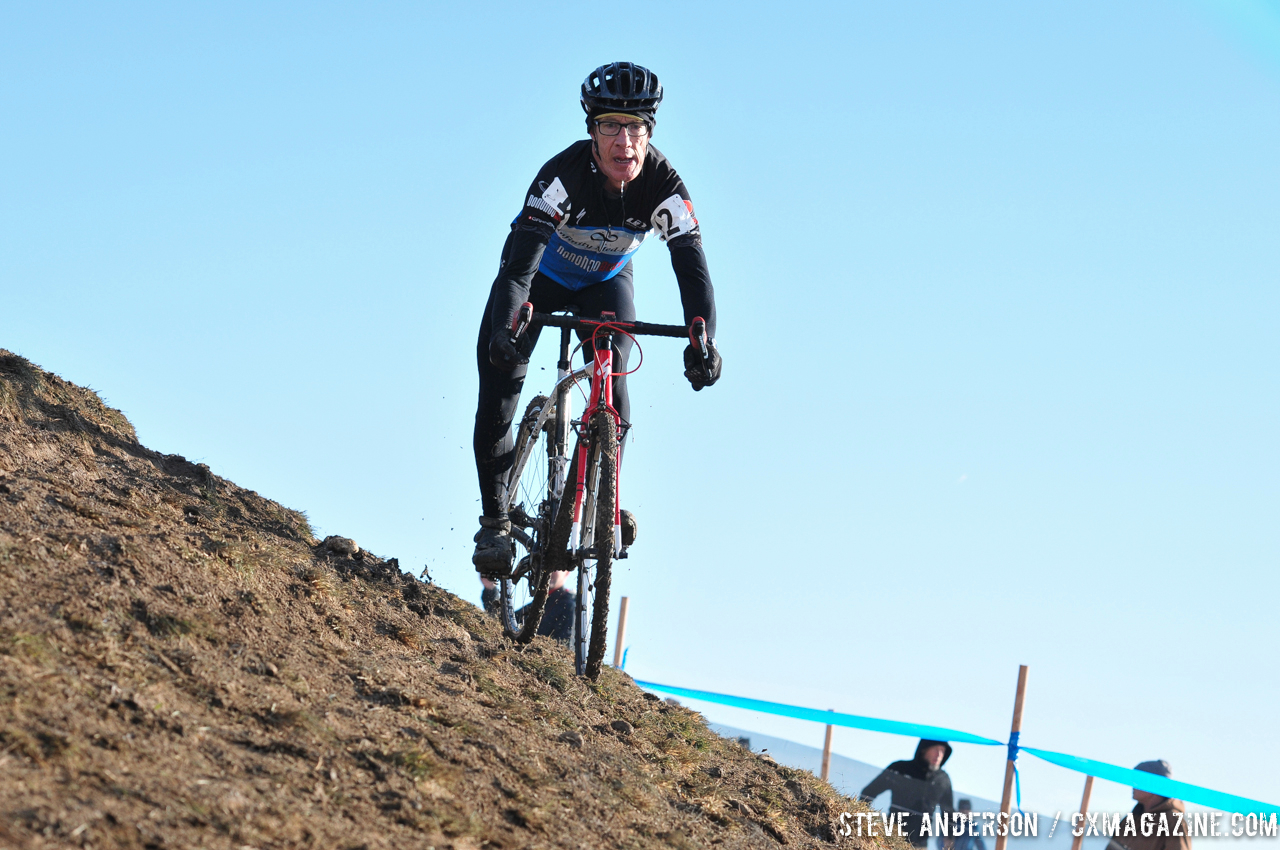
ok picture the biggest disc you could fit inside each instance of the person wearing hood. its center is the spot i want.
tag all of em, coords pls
(1159, 811)
(916, 787)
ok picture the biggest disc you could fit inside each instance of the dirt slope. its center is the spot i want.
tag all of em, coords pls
(183, 665)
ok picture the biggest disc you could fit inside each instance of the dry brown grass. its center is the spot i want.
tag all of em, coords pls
(182, 665)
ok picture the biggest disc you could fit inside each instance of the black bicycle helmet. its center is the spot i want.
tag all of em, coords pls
(621, 87)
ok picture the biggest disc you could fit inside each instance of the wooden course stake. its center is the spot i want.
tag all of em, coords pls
(619, 644)
(1078, 840)
(826, 754)
(1006, 800)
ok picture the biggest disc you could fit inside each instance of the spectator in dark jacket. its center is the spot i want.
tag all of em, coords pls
(960, 838)
(557, 617)
(917, 787)
(1161, 810)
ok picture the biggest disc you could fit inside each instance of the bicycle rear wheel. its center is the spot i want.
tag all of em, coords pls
(598, 542)
(531, 507)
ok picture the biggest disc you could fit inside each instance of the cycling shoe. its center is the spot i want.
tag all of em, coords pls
(495, 550)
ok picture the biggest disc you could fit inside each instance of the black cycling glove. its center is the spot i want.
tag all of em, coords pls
(702, 373)
(503, 352)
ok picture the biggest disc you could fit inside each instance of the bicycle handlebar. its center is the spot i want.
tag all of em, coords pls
(581, 324)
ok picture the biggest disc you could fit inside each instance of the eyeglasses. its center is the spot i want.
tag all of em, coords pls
(613, 128)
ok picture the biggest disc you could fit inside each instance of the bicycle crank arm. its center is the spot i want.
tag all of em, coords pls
(523, 536)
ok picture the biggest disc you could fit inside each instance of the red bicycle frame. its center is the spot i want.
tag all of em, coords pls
(602, 375)
(601, 397)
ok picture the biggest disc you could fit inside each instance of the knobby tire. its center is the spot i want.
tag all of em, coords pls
(591, 630)
(602, 478)
(531, 446)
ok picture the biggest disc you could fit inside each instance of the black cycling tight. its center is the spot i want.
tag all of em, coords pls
(500, 391)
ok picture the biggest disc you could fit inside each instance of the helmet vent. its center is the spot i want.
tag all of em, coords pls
(621, 86)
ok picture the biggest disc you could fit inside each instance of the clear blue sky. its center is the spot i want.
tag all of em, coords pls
(998, 303)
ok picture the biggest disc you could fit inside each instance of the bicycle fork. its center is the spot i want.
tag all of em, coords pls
(602, 396)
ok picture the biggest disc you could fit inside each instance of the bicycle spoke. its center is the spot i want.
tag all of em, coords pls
(522, 597)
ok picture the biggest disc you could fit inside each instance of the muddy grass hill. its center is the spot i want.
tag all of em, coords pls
(183, 665)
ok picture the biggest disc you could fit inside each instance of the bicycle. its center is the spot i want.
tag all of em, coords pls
(583, 532)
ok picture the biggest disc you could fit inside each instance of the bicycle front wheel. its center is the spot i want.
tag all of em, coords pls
(598, 541)
(531, 506)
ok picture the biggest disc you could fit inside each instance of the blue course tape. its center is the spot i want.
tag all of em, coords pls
(834, 718)
(1013, 757)
(1156, 784)
(1150, 782)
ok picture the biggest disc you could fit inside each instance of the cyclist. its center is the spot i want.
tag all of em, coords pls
(584, 216)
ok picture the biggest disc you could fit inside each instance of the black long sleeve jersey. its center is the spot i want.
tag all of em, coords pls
(578, 234)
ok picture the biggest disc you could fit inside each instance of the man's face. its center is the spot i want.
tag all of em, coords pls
(620, 157)
(933, 756)
(1146, 798)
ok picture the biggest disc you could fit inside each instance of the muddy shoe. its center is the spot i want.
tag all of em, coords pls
(628, 527)
(495, 550)
(489, 600)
